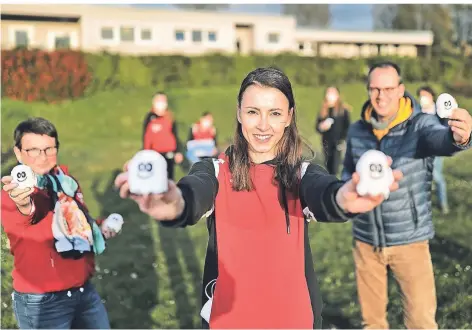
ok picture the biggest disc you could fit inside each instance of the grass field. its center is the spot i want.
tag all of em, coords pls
(150, 277)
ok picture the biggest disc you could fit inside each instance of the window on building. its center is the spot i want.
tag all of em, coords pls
(179, 35)
(301, 46)
(211, 36)
(62, 42)
(197, 36)
(146, 34)
(107, 33)
(127, 33)
(273, 38)
(21, 39)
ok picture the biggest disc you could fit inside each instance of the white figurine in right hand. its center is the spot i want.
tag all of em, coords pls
(445, 104)
(375, 174)
(24, 176)
(147, 173)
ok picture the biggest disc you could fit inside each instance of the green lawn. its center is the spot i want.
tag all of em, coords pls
(151, 276)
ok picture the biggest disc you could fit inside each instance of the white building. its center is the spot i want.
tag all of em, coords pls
(139, 31)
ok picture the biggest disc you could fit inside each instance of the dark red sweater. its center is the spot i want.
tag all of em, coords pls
(37, 267)
(265, 276)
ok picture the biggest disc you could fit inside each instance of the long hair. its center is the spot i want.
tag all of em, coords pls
(338, 108)
(288, 150)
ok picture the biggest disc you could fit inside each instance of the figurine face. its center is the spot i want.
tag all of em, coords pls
(147, 173)
(24, 176)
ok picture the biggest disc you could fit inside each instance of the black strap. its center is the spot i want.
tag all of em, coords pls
(284, 201)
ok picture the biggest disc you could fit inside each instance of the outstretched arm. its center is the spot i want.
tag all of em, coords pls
(318, 192)
(439, 140)
(199, 189)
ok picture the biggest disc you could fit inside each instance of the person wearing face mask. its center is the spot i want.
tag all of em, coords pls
(332, 123)
(160, 133)
(427, 98)
(258, 197)
(202, 138)
(396, 235)
(52, 267)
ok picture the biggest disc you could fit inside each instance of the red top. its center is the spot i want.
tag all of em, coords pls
(159, 136)
(253, 244)
(37, 267)
(201, 133)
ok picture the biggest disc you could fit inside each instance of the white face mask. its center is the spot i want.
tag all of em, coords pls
(425, 101)
(331, 98)
(205, 123)
(160, 106)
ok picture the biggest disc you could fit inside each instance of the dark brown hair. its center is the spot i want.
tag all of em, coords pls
(36, 125)
(289, 149)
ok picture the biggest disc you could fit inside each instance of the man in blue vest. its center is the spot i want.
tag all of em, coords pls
(396, 233)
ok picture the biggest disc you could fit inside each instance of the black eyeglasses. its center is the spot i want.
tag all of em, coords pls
(385, 90)
(35, 152)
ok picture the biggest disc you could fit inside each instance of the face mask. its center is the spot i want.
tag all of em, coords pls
(425, 101)
(205, 123)
(160, 106)
(331, 98)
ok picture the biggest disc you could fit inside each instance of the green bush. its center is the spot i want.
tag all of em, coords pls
(165, 71)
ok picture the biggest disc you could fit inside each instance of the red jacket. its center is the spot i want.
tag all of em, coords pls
(159, 135)
(37, 267)
(199, 133)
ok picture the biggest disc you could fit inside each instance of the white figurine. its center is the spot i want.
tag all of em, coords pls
(24, 176)
(147, 173)
(375, 174)
(114, 222)
(445, 104)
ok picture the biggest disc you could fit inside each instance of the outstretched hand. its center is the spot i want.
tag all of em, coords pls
(166, 206)
(461, 125)
(351, 202)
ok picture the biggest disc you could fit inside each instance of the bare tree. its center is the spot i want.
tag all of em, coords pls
(309, 15)
(433, 17)
(383, 16)
(462, 22)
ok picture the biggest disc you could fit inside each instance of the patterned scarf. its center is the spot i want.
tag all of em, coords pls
(74, 230)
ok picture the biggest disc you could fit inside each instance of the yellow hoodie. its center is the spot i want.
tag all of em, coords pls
(404, 112)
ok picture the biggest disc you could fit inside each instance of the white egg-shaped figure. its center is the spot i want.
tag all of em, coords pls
(24, 176)
(445, 104)
(147, 173)
(375, 174)
(114, 222)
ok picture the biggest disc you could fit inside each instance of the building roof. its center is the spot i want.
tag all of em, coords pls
(376, 37)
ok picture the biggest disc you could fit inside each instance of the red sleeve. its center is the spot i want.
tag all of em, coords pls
(10, 212)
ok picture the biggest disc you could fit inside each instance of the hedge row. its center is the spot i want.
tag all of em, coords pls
(37, 75)
(111, 71)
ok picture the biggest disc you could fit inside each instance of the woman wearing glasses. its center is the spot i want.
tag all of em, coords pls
(50, 281)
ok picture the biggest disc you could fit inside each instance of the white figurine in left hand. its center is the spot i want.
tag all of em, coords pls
(112, 225)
